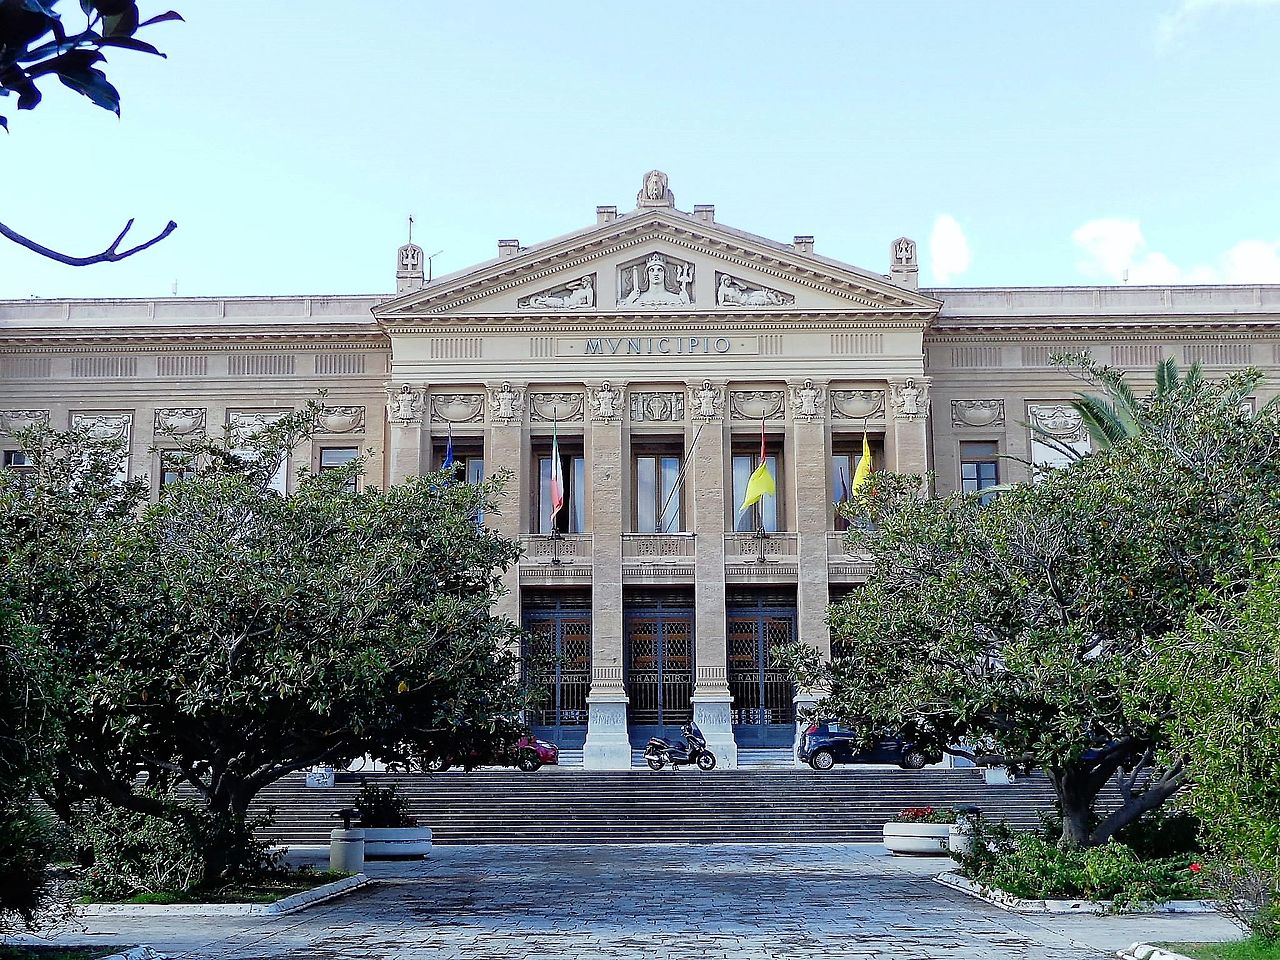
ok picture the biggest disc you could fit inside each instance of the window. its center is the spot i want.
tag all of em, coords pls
(846, 454)
(765, 512)
(468, 455)
(572, 516)
(979, 466)
(657, 494)
(331, 458)
(279, 481)
(17, 460)
(175, 465)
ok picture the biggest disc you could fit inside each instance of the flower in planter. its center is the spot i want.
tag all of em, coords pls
(1195, 868)
(925, 815)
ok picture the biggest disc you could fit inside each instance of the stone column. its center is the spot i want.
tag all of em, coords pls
(504, 450)
(706, 478)
(810, 458)
(909, 418)
(608, 746)
(405, 409)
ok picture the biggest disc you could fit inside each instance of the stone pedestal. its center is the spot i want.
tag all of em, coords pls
(804, 700)
(608, 746)
(712, 715)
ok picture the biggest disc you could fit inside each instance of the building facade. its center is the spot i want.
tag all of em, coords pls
(661, 350)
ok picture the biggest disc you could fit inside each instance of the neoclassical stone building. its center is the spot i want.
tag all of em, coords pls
(659, 345)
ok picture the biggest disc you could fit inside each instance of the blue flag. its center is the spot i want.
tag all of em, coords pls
(448, 451)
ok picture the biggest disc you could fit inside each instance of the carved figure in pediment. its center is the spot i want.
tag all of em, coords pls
(576, 295)
(732, 292)
(657, 286)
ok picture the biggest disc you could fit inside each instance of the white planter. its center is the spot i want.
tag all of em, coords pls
(927, 839)
(396, 843)
(996, 776)
(960, 838)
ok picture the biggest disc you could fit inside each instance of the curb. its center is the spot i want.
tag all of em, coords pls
(141, 952)
(1145, 951)
(1008, 901)
(290, 904)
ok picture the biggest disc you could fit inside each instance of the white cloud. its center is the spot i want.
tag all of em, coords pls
(1116, 250)
(1187, 13)
(948, 249)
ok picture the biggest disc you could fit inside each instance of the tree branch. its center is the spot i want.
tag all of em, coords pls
(112, 254)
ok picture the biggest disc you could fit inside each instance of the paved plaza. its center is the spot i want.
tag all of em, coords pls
(731, 901)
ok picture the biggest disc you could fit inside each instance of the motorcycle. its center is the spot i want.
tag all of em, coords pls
(691, 751)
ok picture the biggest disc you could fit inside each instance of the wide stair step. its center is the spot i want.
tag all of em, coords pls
(558, 805)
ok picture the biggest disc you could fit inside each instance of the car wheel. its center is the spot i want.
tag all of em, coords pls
(654, 763)
(914, 760)
(437, 765)
(706, 761)
(822, 760)
(528, 763)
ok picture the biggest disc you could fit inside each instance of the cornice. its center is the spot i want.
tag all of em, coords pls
(189, 343)
(508, 324)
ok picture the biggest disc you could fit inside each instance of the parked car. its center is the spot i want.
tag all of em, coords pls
(823, 745)
(528, 754)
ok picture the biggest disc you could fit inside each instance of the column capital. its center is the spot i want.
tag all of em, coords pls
(706, 400)
(808, 399)
(606, 401)
(909, 397)
(506, 403)
(405, 406)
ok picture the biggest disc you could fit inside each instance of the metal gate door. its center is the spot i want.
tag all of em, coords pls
(556, 659)
(763, 705)
(660, 665)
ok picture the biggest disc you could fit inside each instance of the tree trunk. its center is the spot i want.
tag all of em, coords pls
(1076, 791)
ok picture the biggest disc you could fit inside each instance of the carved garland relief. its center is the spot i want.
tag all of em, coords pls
(856, 404)
(457, 408)
(562, 407)
(756, 404)
(657, 407)
(977, 413)
(180, 421)
(15, 421)
(342, 419)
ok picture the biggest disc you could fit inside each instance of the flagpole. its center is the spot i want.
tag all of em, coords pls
(760, 532)
(555, 469)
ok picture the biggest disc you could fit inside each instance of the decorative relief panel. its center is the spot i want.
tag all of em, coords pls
(977, 413)
(506, 403)
(342, 419)
(910, 398)
(575, 295)
(756, 404)
(103, 426)
(605, 402)
(856, 404)
(405, 405)
(736, 292)
(707, 401)
(807, 402)
(657, 407)
(243, 425)
(1058, 435)
(15, 421)
(180, 421)
(564, 407)
(457, 408)
(656, 281)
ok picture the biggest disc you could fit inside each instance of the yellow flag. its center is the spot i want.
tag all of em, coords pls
(761, 482)
(863, 471)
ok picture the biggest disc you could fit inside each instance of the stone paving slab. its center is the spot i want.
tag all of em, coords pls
(742, 901)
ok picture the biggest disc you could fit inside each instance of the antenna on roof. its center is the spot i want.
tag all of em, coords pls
(430, 265)
(175, 287)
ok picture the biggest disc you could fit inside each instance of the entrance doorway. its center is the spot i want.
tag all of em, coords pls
(763, 704)
(556, 659)
(659, 664)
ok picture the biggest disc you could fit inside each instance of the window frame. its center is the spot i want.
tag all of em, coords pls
(658, 452)
(750, 521)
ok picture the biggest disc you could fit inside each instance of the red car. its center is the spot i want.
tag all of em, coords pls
(528, 754)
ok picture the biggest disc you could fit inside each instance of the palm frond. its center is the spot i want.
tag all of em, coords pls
(1105, 424)
(1166, 376)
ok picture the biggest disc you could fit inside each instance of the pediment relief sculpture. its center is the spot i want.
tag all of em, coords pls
(506, 403)
(806, 402)
(244, 425)
(405, 405)
(735, 292)
(341, 419)
(707, 401)
(560, 407)
(910, 398)
(103, 426)
(180, 421)
(856, 404)
(606, 402)
(457, 408)
(1059, 420)
(977, 413)
(655, 191)
(756, 404)
(15, 421)
(657, 406)
(575, 295)
(655, 281)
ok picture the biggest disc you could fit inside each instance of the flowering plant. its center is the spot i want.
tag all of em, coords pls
(925, 815)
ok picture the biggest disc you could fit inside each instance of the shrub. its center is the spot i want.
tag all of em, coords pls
(382, 806)
(26, 847)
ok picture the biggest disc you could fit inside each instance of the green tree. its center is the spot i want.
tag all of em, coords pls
(1025, 625)
(225, 636)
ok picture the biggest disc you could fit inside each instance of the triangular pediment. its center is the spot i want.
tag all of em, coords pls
(654, 262)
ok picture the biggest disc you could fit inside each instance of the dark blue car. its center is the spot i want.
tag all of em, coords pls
(823, 745)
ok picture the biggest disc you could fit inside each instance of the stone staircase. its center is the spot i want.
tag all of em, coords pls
(767, 805)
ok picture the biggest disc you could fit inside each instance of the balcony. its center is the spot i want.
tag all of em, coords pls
(749, 558)
(844, 565)
(551, 560)
(657, 558)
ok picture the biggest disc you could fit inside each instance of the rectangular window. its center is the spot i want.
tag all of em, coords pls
(17, 460)
(331, 458)
(979, 466)
(280, 481)
(846, 454)
(174, 466)
(657, 494)
(766, 511)
(572, 516)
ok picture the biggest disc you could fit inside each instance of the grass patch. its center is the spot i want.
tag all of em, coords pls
(1251, 949)
(48, 952)
(268, 891)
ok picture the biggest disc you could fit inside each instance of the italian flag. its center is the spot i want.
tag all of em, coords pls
(557, 475)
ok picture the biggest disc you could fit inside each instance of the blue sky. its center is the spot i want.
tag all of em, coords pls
(1020, 143)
